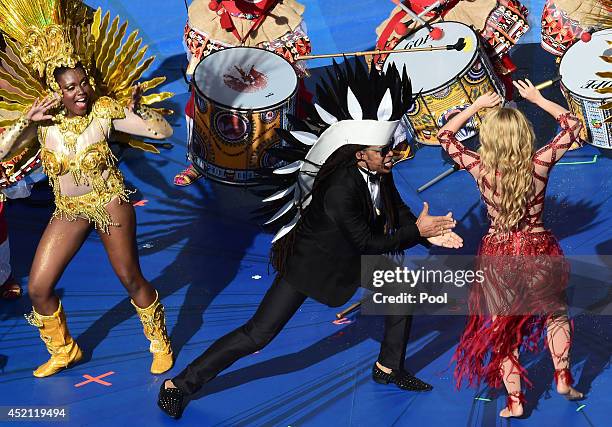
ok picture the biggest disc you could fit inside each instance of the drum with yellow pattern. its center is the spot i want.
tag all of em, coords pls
(445, 82)
(243, 95)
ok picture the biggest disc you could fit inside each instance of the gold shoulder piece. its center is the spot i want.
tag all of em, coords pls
(107, 108)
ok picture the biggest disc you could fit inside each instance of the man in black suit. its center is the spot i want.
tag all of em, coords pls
(352, 208)
(344, 221)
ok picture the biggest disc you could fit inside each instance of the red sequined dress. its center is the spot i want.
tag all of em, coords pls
(525, 272)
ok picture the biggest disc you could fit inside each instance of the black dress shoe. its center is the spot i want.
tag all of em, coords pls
(403, 379)
(171, 400)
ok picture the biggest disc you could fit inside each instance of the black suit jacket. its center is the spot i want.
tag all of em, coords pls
(339, 227)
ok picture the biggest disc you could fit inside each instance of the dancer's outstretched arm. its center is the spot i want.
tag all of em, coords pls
(529, 92)
(548, 155)
(488, 100)
(465, 158)
(141, 120)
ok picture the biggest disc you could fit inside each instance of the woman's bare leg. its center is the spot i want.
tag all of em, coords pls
(120, 246)
(558, 335)
(512, 380)
(61, 240)
(122, 253)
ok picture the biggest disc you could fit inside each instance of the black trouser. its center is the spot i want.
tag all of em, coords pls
(278, 306)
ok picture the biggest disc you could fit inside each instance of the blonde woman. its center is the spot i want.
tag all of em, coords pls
(526, 273)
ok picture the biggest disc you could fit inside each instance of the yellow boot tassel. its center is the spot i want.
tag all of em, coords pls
(54, 333)
(154, 325)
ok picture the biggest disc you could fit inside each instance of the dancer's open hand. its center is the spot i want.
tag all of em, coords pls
(488, 100)
(449, 239)
(527, 90)
(40, 108)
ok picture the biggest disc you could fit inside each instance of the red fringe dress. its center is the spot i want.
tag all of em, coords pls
(525, 272)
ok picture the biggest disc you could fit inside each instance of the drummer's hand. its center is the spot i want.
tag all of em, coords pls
(136, 96)
(527, 90)
(488, 100)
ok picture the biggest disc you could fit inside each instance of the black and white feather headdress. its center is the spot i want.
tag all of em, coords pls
(354, 106)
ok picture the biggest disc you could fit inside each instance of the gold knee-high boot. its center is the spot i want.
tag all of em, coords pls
(154, 325)
(54, 333)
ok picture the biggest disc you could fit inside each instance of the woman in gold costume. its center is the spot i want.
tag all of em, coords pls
(70, 83)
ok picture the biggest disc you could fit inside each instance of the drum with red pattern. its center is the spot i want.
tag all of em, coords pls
(559, 30)
(291, 45)
(243, 95)
(506, 24)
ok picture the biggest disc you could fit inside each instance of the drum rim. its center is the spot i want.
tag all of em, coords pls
(215, 178)
(462, 72)
(246, 110)
(586, 98)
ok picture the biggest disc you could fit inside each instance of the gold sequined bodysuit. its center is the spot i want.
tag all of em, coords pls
(77, 159)
(87, 168)
(92, 166)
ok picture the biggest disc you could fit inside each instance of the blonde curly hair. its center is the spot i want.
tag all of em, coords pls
(506, 152)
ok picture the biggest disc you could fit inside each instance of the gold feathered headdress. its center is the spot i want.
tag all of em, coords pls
(42, 35)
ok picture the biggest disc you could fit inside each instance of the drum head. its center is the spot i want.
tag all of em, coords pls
(245, 79)
(428, 71)
(580, 63)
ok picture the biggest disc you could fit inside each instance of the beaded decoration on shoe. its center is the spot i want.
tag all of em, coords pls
(170, 401)
(403, 379)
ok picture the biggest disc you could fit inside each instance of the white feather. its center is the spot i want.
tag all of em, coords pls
(353, 105)
(290, 168)
(305, 138)
(306, 202)
(325, 116)
(286, 228)
(385, 109)
(280, 194)
(282, 211)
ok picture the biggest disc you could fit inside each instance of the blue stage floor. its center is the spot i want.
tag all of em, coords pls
(204, 252)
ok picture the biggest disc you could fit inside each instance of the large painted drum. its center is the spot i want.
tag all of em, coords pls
(242, 95)
(445, 82)
(565, 21)
(579, 83)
